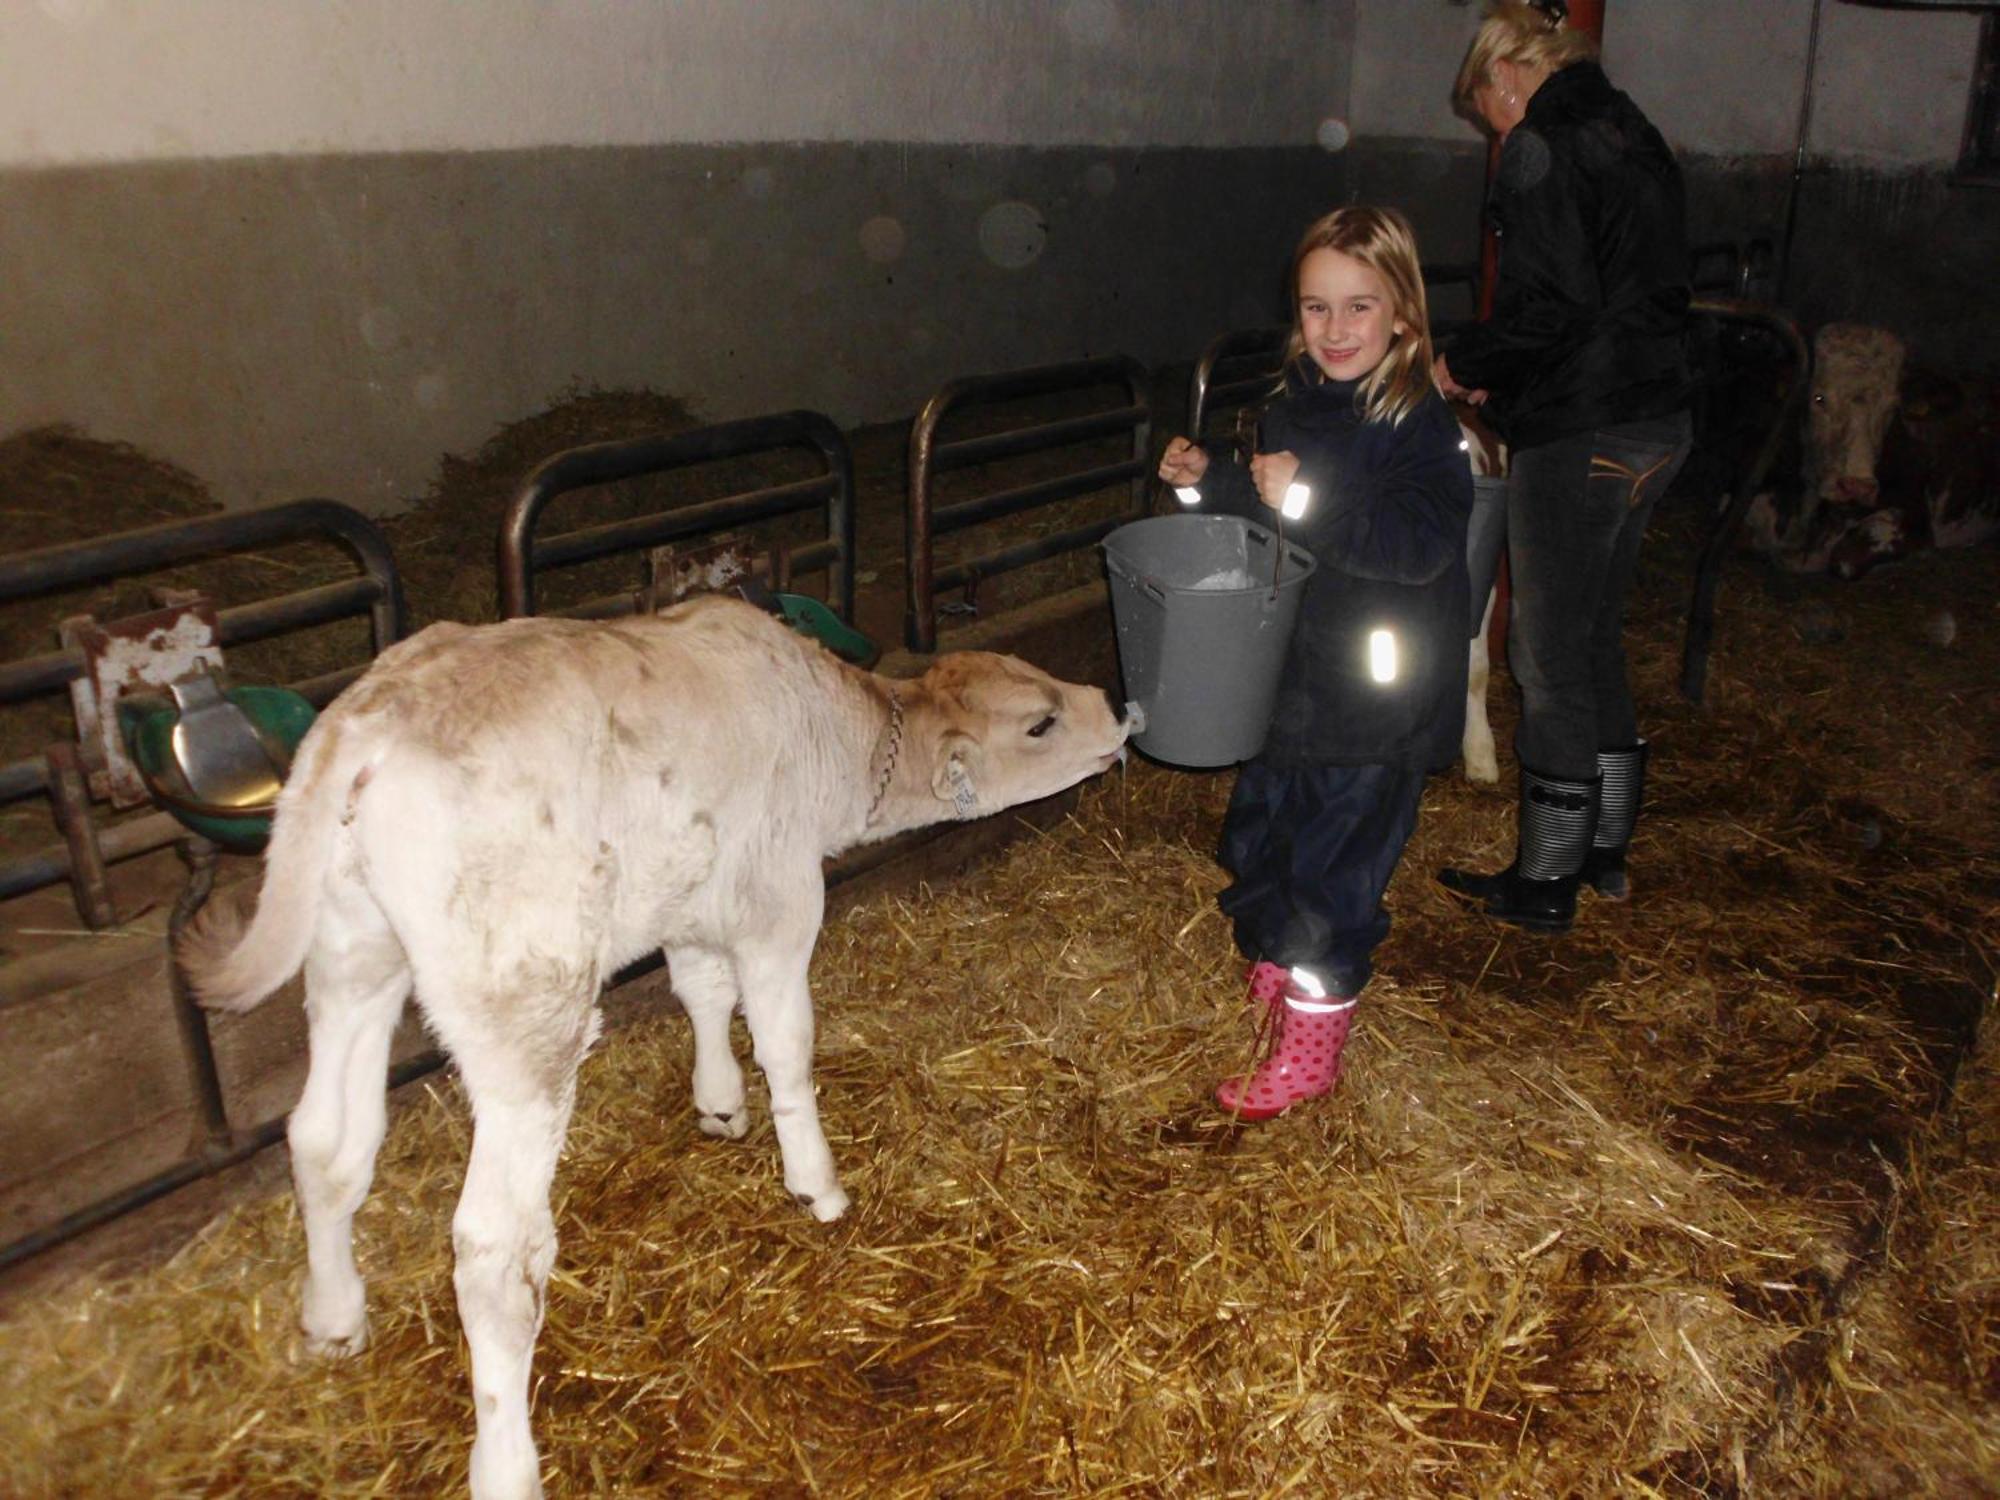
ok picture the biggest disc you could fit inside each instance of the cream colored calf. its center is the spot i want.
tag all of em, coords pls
(500, 817)
(1489, 459)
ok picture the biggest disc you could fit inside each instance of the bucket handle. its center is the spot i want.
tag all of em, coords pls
(1257, 536)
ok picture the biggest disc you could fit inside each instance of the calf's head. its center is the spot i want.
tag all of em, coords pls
(1857, 371)
(1000, 732)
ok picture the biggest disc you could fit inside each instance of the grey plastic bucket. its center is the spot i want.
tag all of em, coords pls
(1199, 650)
(1484, 539)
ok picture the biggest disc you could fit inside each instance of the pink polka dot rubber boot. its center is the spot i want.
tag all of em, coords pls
(1267, 985)
(1306, 1033)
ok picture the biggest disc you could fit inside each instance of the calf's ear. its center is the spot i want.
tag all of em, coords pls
(954, 780)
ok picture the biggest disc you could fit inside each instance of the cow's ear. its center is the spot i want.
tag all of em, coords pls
(954, 781)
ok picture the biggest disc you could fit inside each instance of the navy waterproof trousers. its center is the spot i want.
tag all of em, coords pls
(1312, 849)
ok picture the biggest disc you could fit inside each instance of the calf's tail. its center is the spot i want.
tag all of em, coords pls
(234, 968)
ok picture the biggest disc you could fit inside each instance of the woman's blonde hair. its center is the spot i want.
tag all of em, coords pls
(1382, 240)
(1520, 32)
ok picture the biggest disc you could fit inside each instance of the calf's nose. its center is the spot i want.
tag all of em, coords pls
(1852, 489)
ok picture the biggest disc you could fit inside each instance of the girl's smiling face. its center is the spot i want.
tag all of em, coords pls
(1346, 315)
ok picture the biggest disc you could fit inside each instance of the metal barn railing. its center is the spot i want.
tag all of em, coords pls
(80, 777)
(1756, 467)
(1745, 271)
(524, 553)
(926, 520)
(88, 848)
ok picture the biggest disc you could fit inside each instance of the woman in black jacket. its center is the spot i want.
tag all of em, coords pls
(1363, 458)
(1582, 370)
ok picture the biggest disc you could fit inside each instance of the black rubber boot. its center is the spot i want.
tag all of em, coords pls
(1621, 787)
(1538, 890)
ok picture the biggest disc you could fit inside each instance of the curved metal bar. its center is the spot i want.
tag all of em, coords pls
(929, 457)
(377, 593)
(1265, 345)
(1707, 577)
(75, 563)
(245, 1144)
(604, 463)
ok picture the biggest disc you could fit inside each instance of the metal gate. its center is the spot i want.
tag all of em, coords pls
(925, 520)
(81, 779)
(524, 554)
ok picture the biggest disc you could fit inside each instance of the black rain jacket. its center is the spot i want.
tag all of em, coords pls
(1590, 310)
(1386, 525)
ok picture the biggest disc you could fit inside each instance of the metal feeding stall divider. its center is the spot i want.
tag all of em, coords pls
(523, 554)
(925, 520)
(76, 778)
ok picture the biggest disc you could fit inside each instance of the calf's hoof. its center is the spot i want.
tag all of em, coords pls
(505, 1471)
(335, 1323)
(826, 1206)
(336, 1345)
(732, 1126)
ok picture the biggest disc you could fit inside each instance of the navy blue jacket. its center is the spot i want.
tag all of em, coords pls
(1386, 525)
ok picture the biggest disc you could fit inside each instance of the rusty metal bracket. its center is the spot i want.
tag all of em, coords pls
(673, 572)
(149, 651)
(69, 798)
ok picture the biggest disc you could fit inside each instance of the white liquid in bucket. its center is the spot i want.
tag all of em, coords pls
(1227, 578)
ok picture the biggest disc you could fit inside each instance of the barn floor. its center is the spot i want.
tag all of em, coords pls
(1697, 1200)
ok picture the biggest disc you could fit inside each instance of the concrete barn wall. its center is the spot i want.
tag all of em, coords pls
(304, 249)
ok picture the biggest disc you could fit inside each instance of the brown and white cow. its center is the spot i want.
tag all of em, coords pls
(1897, 459)
(500, 817)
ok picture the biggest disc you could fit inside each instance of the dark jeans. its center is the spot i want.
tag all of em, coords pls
(1576, 510)
(1312, 849)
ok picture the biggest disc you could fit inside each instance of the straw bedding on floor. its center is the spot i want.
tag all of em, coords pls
(1682, 1203)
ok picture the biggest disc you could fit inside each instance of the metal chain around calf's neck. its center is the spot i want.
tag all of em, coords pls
(895, 749)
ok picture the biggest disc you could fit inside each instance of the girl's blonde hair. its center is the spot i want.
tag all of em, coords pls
(1518, 31)
(1382, 240)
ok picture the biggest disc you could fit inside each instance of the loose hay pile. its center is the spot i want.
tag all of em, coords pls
(1660, 1208)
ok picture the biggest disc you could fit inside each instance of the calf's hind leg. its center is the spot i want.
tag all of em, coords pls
(705, 981)
(356, 980)
(504, 1240)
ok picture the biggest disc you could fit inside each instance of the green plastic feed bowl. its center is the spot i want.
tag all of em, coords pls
(809, 616)
(280, 718)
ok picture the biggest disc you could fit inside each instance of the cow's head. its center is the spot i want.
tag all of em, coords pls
(999, 732)
(1857, 371)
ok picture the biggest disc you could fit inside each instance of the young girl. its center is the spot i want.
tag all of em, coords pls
(1363, 459)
